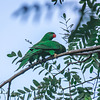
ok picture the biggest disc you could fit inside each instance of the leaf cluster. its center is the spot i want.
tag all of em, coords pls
(16, 55)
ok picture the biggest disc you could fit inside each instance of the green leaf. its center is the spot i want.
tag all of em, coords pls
(59, 81)
(54, 62)
(91, 69)
(46, 66)
(32, 88)
(19, 53)
(98, 98)
(66, 62)
(98, 89)
(80, 44)
(75, 68)
(62, 71)
(21, 91)
(64, 15)
(12, 54)
(36, 83)
(47, 98)
(14, 60)
(67, 74)
(26, 89)
(89, 3)
(60, 94)
(67, 57)
(77, 78)
(87, 66)
(50, 94)
(99, 94)
(36, 68)
(50, 68)
(22, 97)
(9, 55)
(46, 73)
(13, 94)
(72, 81)
(29, 96)
(67, 94)
(58, 67)
(52, 89)
(41, 71)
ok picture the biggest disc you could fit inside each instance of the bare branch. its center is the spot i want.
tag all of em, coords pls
(49, 58)
(81, 83)
(73, 63)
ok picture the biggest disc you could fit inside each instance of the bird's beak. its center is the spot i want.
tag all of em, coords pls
(54, 35)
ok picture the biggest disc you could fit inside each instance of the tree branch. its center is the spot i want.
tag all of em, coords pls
(72, 52)
(8, 94)
(73, 63)
(81, 83)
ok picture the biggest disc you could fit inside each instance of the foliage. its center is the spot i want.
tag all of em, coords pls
(62, 81)
(13, 54)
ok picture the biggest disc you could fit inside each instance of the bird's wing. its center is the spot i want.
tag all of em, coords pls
(48, 45)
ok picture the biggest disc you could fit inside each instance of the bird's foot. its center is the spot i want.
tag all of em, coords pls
(55, 55)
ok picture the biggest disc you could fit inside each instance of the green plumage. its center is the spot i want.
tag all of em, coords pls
(42, 49)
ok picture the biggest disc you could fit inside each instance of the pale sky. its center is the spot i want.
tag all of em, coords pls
(13, 33)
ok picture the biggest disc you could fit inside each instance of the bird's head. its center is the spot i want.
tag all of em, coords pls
(49, 36)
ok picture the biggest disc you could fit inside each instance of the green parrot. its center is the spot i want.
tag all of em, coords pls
(42, 49)
(50, 48)
(28, 56)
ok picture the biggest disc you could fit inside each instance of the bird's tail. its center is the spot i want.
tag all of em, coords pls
(23, 63)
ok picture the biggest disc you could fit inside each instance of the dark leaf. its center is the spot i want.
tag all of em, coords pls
(64, 15)
(41, 71)
(47, 98)
(36, 83)
(9, 55)
(12, 54)
(29, 96)
(21, 91)
(46, 73)
(91, 69)
(26, 89)
(46, 66)
(32, 88)
(54, 62)
(19, 53)
(14, 60)
(72, 81)
(58, 67)
(50, 68)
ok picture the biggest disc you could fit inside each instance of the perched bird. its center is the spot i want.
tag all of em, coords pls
(42, 49)
(28, 56)
(50, 48)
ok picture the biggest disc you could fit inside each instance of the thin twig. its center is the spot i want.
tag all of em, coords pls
(72, 63)
(8, 94)
(81, 83)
